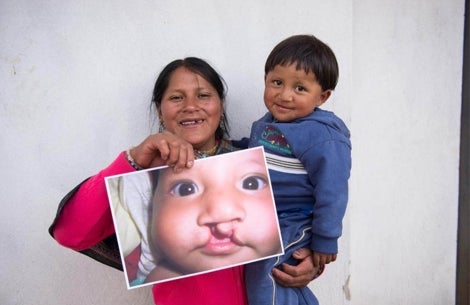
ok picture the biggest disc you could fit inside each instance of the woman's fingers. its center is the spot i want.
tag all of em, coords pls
(178, 156)
(164, 149)
(299, 275)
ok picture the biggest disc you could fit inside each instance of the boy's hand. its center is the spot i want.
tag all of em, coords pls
(321, 259)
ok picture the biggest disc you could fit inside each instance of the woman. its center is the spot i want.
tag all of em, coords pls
(189, 99)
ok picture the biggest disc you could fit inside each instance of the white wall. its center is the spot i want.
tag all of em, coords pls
(76, 84)
(407, 63)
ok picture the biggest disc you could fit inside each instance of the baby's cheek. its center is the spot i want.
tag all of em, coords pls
(162, 230)
(271, 238)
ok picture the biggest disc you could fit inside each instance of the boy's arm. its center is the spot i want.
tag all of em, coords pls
(328, 165)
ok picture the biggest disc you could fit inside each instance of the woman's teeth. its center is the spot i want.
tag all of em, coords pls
(191, 122)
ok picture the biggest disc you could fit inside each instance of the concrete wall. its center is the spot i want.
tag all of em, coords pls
(76, 80)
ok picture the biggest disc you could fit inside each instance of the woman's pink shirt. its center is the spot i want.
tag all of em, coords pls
(86, 220)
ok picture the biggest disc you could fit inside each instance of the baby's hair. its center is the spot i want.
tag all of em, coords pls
(308, 53)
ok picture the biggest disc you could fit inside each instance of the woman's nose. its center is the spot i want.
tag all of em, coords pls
(191, 103)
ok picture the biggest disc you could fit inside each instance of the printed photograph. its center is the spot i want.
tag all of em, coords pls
(218, 214)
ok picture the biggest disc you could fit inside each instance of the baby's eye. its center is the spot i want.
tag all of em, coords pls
(277, 82)
(185, 188)
(254, 183)
(300, 88)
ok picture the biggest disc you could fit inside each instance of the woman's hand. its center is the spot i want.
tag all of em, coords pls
(161, 149)
(297, 276)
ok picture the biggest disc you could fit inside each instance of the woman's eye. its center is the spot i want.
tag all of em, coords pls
(182, 189)
(204, 95)
(175, 98)
(254, 183)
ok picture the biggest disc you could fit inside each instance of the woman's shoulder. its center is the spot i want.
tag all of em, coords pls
(226, 146)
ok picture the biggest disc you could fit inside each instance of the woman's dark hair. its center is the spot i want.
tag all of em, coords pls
(201, 68)
(308, 53)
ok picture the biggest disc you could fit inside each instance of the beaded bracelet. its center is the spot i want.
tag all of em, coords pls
(131, 161)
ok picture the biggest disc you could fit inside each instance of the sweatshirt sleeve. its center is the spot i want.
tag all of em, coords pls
(84, 217)
(332, 164)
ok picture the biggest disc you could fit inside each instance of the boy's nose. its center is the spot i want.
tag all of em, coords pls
(286, 95)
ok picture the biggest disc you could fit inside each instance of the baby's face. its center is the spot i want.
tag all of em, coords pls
(216, 214)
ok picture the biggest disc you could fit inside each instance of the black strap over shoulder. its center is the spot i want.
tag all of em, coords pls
(106, 252)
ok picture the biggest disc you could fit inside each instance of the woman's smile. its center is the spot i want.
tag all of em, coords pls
(191, 122)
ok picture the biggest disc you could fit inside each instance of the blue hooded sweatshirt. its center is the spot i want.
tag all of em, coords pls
(309, 162)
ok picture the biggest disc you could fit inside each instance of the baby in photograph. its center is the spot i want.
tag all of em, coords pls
(217, 214)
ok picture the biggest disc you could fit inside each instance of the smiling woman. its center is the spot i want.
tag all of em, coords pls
(189, 98)
(192, 107)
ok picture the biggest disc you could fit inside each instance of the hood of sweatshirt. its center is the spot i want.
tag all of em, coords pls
(330, 119)
(321, 116)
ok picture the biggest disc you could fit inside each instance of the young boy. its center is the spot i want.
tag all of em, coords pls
(308, 152)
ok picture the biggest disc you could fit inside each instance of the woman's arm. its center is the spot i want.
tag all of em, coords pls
(84, 217)
(83, 221)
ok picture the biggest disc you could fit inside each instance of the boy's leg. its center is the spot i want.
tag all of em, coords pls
(300, 296)
(262, 289)
(260, 285)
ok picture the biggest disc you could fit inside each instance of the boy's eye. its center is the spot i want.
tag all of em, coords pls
(254, 183)
(184, 188)
(277, 82)
(300, 88)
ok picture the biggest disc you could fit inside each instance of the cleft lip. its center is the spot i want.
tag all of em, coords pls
(225, 246)
(222, 245)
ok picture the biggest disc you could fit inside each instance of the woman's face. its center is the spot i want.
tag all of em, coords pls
(216, 214)
(191, 108)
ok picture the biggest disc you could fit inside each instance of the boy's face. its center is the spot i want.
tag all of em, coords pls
(215, 214)
(290, 94)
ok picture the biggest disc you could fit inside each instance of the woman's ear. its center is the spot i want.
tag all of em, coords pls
(161, 123)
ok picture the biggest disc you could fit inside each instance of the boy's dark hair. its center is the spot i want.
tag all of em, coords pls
(310, 54)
